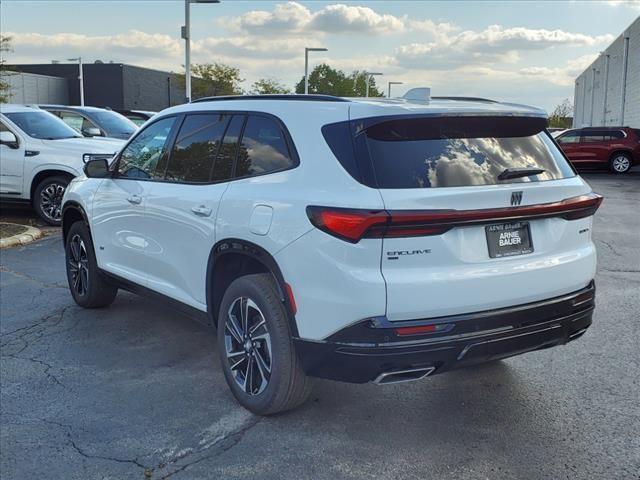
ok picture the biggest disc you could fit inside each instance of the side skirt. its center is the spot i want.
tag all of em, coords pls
(132, 287)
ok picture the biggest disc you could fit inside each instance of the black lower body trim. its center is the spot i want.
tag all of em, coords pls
(132, 287)
(474, 338)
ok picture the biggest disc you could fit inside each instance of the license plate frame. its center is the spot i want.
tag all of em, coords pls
(501, 242)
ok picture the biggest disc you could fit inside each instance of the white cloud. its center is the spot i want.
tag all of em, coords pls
(494, 44)
(292, 18)
(347, 19)
(564, 76)
(634, 4)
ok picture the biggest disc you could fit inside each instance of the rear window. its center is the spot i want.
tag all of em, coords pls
(427, 152)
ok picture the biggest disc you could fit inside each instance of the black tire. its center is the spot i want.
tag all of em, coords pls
(87, 285)
(620, 163)
(47, 199)
(287, 386)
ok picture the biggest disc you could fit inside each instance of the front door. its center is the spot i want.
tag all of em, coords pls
(11, 166)
(570, 144)
(119, 205)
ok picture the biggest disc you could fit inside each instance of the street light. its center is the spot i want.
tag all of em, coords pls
(80, 76)
(306, 65)
(186, 35)
(369, 76)
(392, 83)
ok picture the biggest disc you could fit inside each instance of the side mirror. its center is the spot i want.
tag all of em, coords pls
(9, 139)
(91, 132)
(98, 168)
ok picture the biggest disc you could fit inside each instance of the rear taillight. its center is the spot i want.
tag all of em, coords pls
(348, 224)
(354, 224)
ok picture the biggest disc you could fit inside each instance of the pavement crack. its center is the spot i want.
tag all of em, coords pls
(611, 247)
(24, 276)
(220, 445)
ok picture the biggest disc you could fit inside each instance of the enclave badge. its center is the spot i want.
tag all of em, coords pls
(516, 198)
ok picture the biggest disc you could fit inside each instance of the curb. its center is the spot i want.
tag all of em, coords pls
(29, 236)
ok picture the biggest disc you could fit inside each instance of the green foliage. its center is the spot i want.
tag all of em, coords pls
(213, 79)
(5, 46)
(330, 81)
(266, 86)
(561, 117)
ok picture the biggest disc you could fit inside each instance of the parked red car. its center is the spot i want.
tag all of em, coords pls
(615, 147)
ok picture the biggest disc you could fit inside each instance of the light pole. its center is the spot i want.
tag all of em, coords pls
(392, 83)
(186, 35)
(80, 76)
(369, 76)
(306, 65)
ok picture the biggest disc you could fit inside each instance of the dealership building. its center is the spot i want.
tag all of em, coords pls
(608, 91)
(114, 85)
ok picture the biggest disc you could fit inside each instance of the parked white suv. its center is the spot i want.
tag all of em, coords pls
(40, 155)
(357, 240)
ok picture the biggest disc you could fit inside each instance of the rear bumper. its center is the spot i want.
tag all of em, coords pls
(362, 352)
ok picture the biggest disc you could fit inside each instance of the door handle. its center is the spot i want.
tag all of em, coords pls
(201, 211)
(134, 199)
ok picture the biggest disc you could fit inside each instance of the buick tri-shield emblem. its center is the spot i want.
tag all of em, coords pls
(516, 198)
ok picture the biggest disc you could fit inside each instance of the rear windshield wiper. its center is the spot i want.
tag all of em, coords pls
(519, 172)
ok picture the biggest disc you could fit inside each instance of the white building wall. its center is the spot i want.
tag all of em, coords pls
(31, 88)
(591, 110)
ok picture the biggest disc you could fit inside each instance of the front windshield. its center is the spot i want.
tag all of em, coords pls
(114, 122)
(42, 125)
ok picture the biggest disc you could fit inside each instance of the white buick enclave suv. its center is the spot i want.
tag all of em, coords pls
(352, 239)
(39, 155)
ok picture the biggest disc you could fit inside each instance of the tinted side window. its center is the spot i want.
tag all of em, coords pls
(76, 121)
(223, 167)
(614, 135)
(196, 147)
(263, 148)
(569, 137)
(594, 136)
(140, 158)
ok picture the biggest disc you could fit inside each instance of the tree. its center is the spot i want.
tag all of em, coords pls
(5, 46)
(359, 80)
(561, 117)
(330, 81)
(214, 79)
(266, 86)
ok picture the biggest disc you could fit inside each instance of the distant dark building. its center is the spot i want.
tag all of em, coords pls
(115, 85)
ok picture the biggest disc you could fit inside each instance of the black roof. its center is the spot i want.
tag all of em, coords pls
(305, 98)
(608, 127)
(466, 99)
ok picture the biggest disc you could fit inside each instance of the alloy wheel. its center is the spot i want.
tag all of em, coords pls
(248, 346)
(621, 164)
(51, 201)
(78, 263)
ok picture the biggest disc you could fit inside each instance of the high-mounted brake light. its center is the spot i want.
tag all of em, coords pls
(354, 224)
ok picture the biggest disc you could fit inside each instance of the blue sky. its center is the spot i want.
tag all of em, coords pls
(521, 51)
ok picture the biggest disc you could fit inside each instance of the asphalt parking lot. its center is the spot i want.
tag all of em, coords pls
(135, 391)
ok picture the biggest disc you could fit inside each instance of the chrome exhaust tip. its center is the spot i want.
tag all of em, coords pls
(399, 376)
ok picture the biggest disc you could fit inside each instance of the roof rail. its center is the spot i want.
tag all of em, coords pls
(466, 99)
(303, 98)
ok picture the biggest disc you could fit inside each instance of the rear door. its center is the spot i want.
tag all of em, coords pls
(594, 145)
(484, 256)
(181, 210)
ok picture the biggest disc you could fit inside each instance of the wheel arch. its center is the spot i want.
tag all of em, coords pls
(43, 174)
(232, 258)
(72, 212)
(617, 151)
